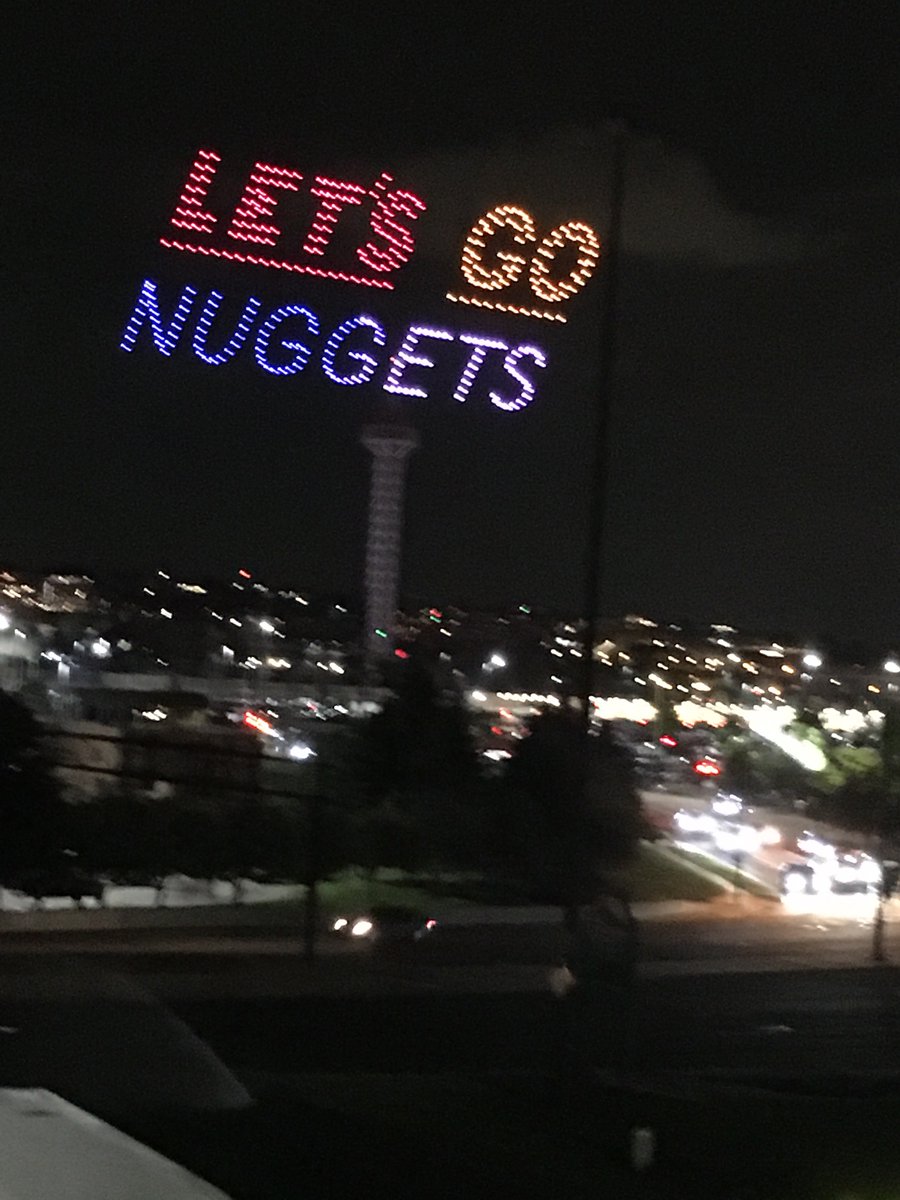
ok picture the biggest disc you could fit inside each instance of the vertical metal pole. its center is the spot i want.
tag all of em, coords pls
(878, 952)
(593, 559)
(313, 859)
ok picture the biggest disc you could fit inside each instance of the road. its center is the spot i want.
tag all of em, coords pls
(779, 1000)
(765, 862)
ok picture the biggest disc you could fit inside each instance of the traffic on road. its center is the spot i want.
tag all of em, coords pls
(809, 866)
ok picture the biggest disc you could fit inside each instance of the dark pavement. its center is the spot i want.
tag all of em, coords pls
(819, 1025)
(730, 993)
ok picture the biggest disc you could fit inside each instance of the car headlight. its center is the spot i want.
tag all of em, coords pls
(362, 927)
(869, 871)
(795, 882)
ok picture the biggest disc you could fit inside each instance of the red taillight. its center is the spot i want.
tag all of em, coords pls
(706, 767)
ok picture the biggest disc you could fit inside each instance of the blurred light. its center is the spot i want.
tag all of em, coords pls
(690, 713)
(497, 660)
(4, 622)
(234, 621)
(382, 633)
(787, 669)
(668, 740)
(244, 574)
(852, 720)
(267, 627)
(727, 806)
(812, 660)
(869, 871)
(401, 654)
(769, 724)
(100, 648)
(227, 652)
(618, 708)
(695, 822)
(795, 882)
(340, 923)
(300, 752)
(154, 714)
(361, 927)
(769, 836)
(735, 658)
(479, 697)
(260, 724)
(892, 666)
(706, 766)
(164, 612)
(699, 686)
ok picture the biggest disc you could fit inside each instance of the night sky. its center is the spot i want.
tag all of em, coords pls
(756, 419)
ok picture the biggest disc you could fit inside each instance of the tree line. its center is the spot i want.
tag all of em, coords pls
(404, 789)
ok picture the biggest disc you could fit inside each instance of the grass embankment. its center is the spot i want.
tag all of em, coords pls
(728, 875)
(655, 874)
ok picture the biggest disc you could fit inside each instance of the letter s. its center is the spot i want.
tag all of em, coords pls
(527, 388)
(383, 222)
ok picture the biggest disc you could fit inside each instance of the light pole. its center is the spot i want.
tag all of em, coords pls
(593, 558)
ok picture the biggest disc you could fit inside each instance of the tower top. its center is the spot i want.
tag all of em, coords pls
(389, 427)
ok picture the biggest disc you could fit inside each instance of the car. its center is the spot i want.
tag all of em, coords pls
(839, 871)
(797, 879)
(384, 924)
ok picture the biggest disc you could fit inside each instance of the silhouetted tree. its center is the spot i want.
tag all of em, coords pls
(31, 811)
(561, 831)
(419, 793)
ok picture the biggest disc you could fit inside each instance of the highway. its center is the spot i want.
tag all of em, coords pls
(763, 862)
